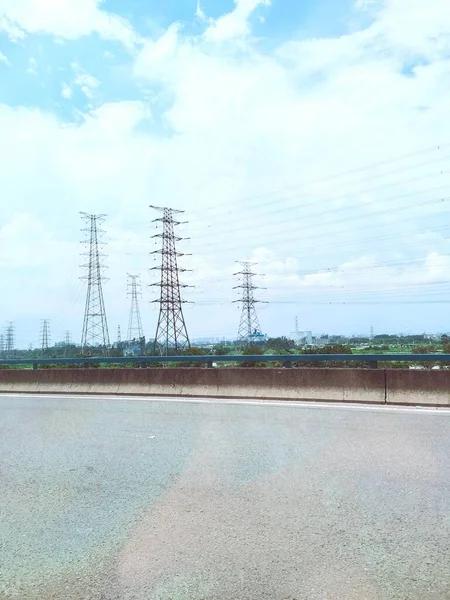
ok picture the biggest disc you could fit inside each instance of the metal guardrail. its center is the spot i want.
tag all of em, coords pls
(285, 359)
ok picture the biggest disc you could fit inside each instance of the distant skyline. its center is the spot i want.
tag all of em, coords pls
(311, 137)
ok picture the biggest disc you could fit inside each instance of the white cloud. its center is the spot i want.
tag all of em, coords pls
(200, 13)
(236, 23)
(4, 60)
(86, 82)
(63, 18)
(66, 91)
(82, 80)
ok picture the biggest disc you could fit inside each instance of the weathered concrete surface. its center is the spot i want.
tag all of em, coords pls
(146, 500)
(418, 387)
(339, 385)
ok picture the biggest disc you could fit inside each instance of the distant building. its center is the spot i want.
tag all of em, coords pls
(257, 338)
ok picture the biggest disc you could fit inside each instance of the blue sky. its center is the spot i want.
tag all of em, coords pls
(40, 64)
(311, 136)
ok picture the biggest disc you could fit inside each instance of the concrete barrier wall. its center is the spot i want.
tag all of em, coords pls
(339, 385)
(418, 387)
(336, 385)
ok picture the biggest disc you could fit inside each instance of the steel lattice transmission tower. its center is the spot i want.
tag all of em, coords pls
(10, 335)
(45, 334)
(95, 327)
(171, 332)
(2, 343)
(249, 327)
(135, 331)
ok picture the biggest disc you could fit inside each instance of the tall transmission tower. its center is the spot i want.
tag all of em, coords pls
(45, 334)
(249, 327)
(67, 338)
(171, 332)
(135, 331)
(95, 327)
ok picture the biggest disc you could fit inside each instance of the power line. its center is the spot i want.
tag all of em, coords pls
(282, 208)
(283, 232)
(329, 178)
(95, 327)
(171, 332)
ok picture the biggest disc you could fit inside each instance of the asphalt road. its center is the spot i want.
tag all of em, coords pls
(123, 499)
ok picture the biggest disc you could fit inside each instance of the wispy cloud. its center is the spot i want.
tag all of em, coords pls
(65, 19)
(4, 60)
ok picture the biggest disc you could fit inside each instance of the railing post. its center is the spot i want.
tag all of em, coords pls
(35, 366)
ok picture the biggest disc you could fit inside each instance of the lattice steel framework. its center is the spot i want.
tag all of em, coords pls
(45, 334)
(2, 343)
(95, 326)
(135, 331)
(249, 326)
(171, 332)
(10, 335)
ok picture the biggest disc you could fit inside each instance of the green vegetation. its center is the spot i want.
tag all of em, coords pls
(380, 345)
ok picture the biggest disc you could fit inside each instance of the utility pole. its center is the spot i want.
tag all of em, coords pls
(95, 327)
(171, 332)
(45, 334)
(119, 337)
(10, 335)
(135, 331)
(249, 327)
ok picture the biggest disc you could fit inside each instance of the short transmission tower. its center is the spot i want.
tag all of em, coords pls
(249, 327)
(2, 344)
(67, 338)
(95, 327)
(45, 334)
(135, 331)
(10, 335)
(171, 332)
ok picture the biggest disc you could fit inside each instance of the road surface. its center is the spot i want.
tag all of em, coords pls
(107, 498)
